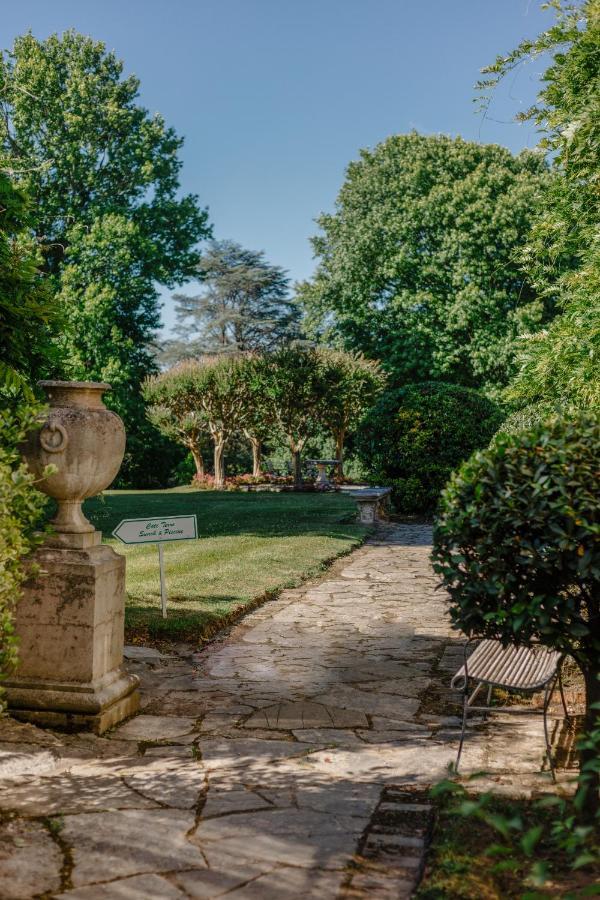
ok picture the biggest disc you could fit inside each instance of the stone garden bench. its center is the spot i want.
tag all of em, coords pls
(372, 503)
(512, 668)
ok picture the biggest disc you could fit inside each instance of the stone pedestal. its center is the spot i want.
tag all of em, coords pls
(70, 628)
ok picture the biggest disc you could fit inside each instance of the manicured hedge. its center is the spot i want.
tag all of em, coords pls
(517, 546)
(415, 436)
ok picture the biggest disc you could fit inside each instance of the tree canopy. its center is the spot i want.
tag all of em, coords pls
(417, 264)
(103, 177)
(28, 313)
(244, 305)
(559, 366)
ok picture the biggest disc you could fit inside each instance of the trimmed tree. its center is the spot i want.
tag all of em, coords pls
(351, 383)
(517, 546)
(212, 390)
(169, 413)
(295, 389)
(259, 416)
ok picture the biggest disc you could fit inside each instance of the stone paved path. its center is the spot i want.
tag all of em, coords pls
(287, 760)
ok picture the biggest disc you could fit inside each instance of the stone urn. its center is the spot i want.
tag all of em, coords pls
(70, 618)
(84, 441)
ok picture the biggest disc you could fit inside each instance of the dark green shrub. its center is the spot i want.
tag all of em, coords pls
(21, 508)
(415, 436)
(517, 544)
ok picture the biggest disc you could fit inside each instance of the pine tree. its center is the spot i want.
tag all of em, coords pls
(243, 305)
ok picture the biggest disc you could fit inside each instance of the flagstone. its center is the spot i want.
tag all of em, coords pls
(138, 887)
(260, 760)
(295, 837)
(71, 793)
(224, 881)
(17, 760)
(129, 842)
(305, 714)
(155, 728)
(30, 861)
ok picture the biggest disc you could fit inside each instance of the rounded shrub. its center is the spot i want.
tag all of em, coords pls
(517, 544)
(415, 436)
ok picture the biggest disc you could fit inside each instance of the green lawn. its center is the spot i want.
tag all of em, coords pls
(249, 545)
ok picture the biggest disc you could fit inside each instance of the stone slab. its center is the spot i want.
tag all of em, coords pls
(30, 861)
(155, 728)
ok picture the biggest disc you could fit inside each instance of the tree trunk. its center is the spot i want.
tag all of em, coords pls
(297, 467)
(589, 777)
(219, 463)
(256, 456)
(198, 461)
(339, 452)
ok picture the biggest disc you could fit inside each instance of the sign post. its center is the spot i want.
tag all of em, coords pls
(158, 531)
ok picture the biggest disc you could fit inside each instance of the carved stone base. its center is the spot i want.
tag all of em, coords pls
(70, 624)
(57, 705)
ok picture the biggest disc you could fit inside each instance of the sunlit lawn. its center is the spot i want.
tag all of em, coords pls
(249, 545)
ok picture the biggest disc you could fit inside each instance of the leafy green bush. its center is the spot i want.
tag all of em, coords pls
(493, 846)
(415, 436)
(21, 508)
(517, 544)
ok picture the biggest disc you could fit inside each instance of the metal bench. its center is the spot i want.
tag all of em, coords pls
(513, 668)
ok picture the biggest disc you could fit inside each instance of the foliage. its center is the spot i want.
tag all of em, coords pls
(27, 322)
(251, 546)
(517, 546)
(417, 263)
(244, 305)
(169, 413)
(103, 177)
(562, 256)
(495, 847)
(352, 384)
(206, 393)
(295, 389)
(415, 436)
(27, 310)
(20, 510)
(292, 395)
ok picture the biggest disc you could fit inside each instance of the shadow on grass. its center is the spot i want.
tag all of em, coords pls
(222, 513)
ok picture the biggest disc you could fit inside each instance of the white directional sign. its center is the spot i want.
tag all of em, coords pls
(154, 531)
(157, 531)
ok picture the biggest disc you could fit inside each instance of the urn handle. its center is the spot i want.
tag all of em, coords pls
(54, 437)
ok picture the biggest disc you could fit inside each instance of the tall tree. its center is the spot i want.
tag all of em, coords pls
(416, 265)
(559, 366)
(28, 314)
(28, 320)
(103, 175)
(244, 305)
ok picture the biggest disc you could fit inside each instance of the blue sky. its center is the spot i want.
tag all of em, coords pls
(275, 97)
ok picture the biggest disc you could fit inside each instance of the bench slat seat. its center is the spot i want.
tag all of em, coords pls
(514, 668)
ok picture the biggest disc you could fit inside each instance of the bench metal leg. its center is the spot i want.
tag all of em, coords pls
(562, 696)
(468, 700)
(547, 695)
(464, 725)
